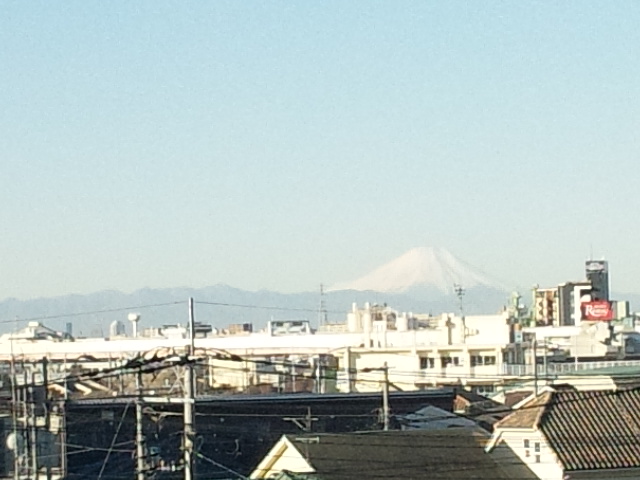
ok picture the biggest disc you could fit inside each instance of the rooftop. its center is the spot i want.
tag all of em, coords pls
(587, 430)
(591, 430)
(434, 454)
(528, 414)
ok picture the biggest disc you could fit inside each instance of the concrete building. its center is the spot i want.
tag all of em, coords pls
(597, 273)
(419, 350)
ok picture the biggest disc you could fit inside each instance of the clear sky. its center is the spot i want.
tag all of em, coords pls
(283, 144)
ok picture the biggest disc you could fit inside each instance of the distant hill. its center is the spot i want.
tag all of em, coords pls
(221, 305)
(421, 280)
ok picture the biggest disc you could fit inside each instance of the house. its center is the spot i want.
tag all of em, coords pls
(483, 411)
(568, 434)
(453, 453)
(430, 417)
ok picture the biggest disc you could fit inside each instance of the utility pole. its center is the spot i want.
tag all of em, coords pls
(141, 464)
(33, 433)
(14, 415)
(385, 397)
(47, 407)
(189, 402)
(460, 293)
(303, 423)
(385, 393)
(322, 308)
(534, 351)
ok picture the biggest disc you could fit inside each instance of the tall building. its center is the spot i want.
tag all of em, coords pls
(598, 274)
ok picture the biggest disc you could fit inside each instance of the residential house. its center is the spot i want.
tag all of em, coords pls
(453, 453)
(566, 434)
(483, 411)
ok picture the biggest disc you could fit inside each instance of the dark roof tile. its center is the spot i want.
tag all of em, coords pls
(454, 453)
(591, 430)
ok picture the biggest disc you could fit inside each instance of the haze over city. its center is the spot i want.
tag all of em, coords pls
(282, 145)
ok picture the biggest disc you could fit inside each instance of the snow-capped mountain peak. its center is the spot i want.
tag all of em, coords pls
(421, 267)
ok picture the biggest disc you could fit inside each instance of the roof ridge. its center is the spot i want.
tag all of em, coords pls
(548, 396)
(523, 417)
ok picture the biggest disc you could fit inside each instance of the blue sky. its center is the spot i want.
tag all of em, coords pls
(283, 144)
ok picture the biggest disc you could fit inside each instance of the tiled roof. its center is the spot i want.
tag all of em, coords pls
(514, 397)
(454, 453)
(592, 430)
(528, 415)
(473, 403)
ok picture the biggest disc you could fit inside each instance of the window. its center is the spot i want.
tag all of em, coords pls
(450, 361)
(526, 444)
(477, 360)
(537, 458)
(483, 389)
(490, 360)
(427, 362)
(536, 447)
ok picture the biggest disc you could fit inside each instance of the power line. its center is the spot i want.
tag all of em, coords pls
(217, 464)
(265, 307)
(88, 312)
(115, 437)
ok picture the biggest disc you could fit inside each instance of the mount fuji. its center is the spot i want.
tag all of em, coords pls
(423, 268)
(420, 280)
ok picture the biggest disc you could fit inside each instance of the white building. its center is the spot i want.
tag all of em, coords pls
(419, 351)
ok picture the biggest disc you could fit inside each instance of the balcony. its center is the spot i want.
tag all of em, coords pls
(554, 369)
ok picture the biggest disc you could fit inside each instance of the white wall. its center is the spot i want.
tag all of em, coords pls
(548, 467)
(405, 366)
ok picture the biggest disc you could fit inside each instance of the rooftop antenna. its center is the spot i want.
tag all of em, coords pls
(459, 290)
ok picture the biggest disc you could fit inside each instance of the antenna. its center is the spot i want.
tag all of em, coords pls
(322, 307)
(459, 289)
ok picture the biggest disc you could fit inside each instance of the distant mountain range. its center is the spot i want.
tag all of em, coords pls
(221, 305)
(421, 281)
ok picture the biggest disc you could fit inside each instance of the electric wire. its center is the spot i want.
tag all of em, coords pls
(217, 464)
(88, 312)
(264, 307)
(115, 437)
(118, 370)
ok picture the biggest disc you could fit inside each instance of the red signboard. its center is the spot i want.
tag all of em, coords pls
(597, 311)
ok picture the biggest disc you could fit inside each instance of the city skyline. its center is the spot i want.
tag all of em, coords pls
(281, 146)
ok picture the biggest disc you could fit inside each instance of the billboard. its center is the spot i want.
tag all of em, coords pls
(598, 311)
